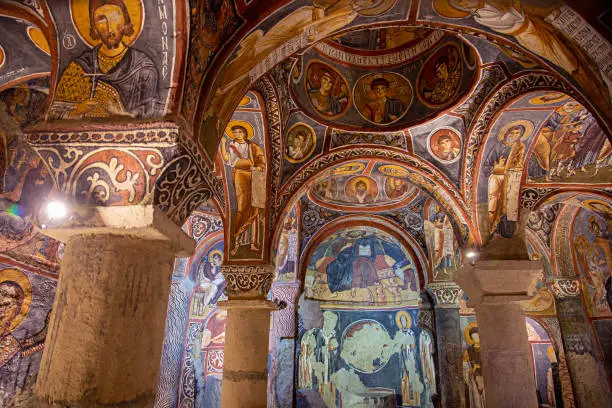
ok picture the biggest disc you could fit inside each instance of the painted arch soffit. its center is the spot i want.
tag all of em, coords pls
(215, 109)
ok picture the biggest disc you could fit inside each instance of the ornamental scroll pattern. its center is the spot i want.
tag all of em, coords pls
(566, 288)
(273, 116)
(516, 87)
(248, 281)
(445, 293)
(421, 173)
(106, 167)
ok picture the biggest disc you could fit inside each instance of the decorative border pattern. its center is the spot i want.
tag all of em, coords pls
(167, 133)
(445, 294)
(248, 281)
(564, 288)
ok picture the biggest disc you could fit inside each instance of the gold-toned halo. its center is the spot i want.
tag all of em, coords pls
(244, 101)
(444, 8)
(213, 253)
(346, 168)
(398, 320)
(2, 56)
(538, 100)
(466, 332)
(589, 205)
(79, 10)
(527, 124)
(394, 170)
(244, 124)
(366, 180)
(39, 39)
(313, 142)
(14, 275)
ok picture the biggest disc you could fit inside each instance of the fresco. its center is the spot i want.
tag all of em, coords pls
(381, 39)
(363, 185)
(383, 98)
(443, 248)
(570, 146)
(287, 252)
(300, 143)
(362, 265)
(440, 76)
(336, 368)
(26, 297)
(116, 58)
(592, 255)
(444, 144)
(243, 154)
(543, 301)
(472, 372)
(529, 24)
(388, 89)
(546, 366)
(327, 89)
(24, 54)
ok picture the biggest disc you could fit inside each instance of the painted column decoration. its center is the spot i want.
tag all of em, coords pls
(587, 371)
(448, 334)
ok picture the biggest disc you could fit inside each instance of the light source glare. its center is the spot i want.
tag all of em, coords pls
(471, 254)
(56, 210)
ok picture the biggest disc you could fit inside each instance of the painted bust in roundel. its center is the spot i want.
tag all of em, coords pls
(112, 78)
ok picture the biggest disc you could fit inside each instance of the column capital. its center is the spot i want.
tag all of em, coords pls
(248, 281)
(566, 288)
(138, 221)
(498, 281)
(445, 294)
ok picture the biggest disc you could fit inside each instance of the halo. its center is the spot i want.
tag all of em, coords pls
(527, 124)
(538, 100)
(13, 275)
(589, 205)
(347, 168)
(2, 56)
(393, 170)
(244, 124)
(437, 133)
(245, 100)
(213, 253)
(313, 141)
(444, 8)
(357, 179)
(466, 332)
(39, 40)
(398, 320)
(79, 11)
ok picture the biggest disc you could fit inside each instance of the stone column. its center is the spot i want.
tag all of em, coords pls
(247, 333)
(585, 365)
(448, 339)
(495, 289)
(106, 328)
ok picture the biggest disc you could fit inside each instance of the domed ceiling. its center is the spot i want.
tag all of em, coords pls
(383, 79)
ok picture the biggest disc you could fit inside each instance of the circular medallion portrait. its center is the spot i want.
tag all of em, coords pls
(382, 98)
(361, 190)
(440, 77)
(397, 188)
(300, 142)
(327, 90)
(445, 144)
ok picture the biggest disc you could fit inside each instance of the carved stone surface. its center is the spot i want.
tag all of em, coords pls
(284, 320)
(445, 294)
(248, 281)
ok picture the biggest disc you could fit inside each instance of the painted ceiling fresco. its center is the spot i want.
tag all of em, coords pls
(364, 89)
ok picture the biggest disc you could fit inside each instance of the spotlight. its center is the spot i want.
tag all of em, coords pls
(471, 254)
(56, 210)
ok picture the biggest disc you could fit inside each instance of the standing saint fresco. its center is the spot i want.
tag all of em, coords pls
(112, 78)
(247, 159)
(472, 373)
(412, 387)
(503, 167)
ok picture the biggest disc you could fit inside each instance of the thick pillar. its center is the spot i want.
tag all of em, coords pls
(106, 329)
(495, 289)
(247, 334)
(584, 362)
(448, 336)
